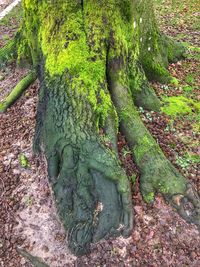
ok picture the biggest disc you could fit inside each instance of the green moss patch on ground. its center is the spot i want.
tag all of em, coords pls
(179, 105)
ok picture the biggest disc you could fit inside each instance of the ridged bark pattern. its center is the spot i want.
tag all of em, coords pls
(91, 190)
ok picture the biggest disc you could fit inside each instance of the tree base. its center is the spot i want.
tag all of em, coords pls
(91, 190)
(88, 56)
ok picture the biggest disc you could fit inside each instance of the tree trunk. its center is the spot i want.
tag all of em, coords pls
(93, 59)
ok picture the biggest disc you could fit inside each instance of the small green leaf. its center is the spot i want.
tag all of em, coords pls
(23, 161)
(133, 178)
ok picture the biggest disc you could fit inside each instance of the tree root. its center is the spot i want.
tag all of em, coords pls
(17, 91)
(157, 173)
(143, 95)
(92, 193)
(156, 61)
(188, 205)
(175, 50)
(156, 71)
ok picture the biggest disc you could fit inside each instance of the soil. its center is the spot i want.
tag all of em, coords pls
(27, 212)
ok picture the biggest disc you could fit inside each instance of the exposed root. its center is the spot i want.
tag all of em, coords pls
(188, 205)
(156, 71)
(17, 91)
(156, 61)
(157, 173)
(175, 50)
(143, 95)
(81, 178)
(83, 172)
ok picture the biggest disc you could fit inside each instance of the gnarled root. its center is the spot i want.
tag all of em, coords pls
(164, 178)
(188, 205)
(17, 91)
(92, 192)
(157, 173)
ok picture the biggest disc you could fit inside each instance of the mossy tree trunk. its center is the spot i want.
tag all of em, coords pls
(93, 59)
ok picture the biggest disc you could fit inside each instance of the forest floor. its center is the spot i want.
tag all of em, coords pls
(27, 214)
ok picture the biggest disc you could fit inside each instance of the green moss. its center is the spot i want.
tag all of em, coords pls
(179, 105)
(190, 79)
(23, 51)
(175, 50)
(144, 145)
(154, 70)
(149, 198)
(23, 161)
(75, 44)
(174, 81)
(73, 39)
(133, 179)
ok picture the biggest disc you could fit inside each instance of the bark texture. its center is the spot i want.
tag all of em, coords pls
(93, 59)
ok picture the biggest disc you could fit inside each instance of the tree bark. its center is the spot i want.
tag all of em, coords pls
(93, 59)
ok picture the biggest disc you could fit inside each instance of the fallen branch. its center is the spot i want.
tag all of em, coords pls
(17, 91)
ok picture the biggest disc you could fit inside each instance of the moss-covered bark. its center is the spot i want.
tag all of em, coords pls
(86, 177)
(17, 91)
(156, 49)
(157, 173)
(92, 59)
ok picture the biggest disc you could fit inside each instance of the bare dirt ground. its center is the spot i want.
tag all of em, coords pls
(27, 213)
